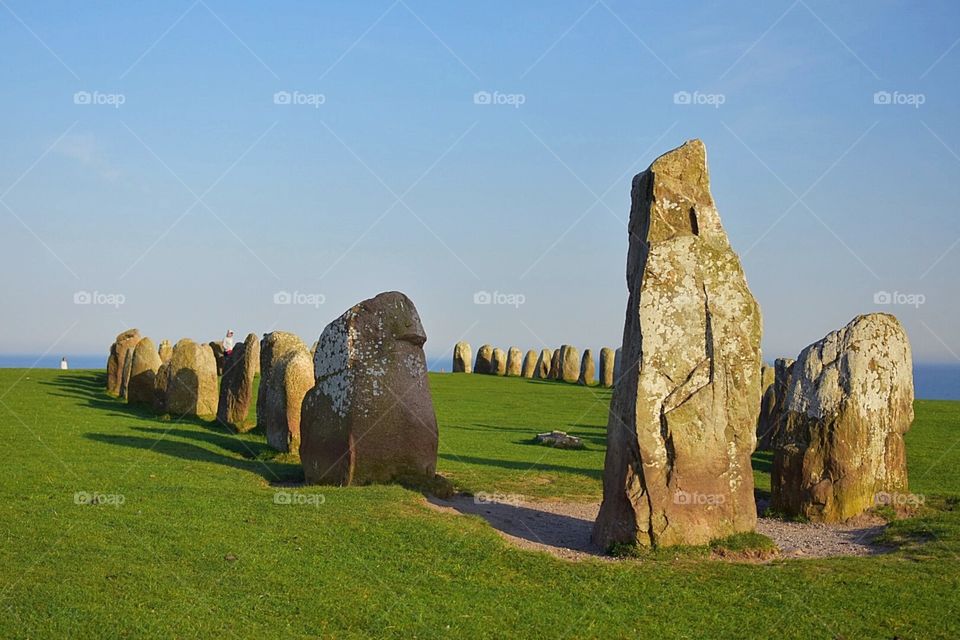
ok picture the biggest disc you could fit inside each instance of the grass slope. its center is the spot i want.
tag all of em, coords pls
(200, 548)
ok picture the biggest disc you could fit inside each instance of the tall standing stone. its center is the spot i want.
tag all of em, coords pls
(165, 351)
(617, 361)
(569, 364)
(587, 369)
(542, 371)
(606, 367)
(160, 382)
(219, 355)
(850, 400)
(514, 361)
(498, 362)
(555, 372)
(462, 358)
(118, 352)
(369, 418)
(192, 382)
(529, 364)
(772, 402)
(236, 385)
(125, 376)
(684, 409)
(286, 374)
(484, 360)
(143, 372)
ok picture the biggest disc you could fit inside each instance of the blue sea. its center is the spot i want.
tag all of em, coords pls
(930, 381)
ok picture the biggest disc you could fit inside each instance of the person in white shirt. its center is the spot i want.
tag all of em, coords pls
(63, 363)
(227, 342)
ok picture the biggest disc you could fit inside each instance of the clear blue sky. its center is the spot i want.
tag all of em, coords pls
(199, 197)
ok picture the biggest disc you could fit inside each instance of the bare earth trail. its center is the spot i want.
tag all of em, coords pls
(563, 529)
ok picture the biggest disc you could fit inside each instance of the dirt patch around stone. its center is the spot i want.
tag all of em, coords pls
(562, 529)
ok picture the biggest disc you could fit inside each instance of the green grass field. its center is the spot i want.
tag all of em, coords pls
(199, 547)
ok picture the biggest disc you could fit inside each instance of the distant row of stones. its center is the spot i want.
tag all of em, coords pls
(357, 408)
(564, 363)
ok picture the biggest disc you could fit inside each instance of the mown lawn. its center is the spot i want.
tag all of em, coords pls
(200, 548)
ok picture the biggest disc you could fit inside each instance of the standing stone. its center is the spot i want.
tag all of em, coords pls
(850, 400)
(586, 369)
(118, 352)
(772, 401)
(684, 409)
(498, 362)
(462, 358)
(219, 355)
(143, 372)
(617, 360)
(192, 383)
(514, 361)
(236, 386)
(569, 364)
(165, 351)
(160, 382)
(484, 360)
(555, 368)
(606, 367)
(127, 363)
(286, 374)
(370, 417)
(529, 364)
(542, 372)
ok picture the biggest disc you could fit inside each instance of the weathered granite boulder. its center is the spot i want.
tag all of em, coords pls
(219, 355)
(165, 351)
(160, 382)
(484, 360)
(192, 384)
(555, 368)
(125, 376)
(236, 385)
(370, 417)
(606, 367)
(587, 369)
(559, 440)
(772, 401)
(286, 374)
(849, 402)
(462, 358)
(118, 352)
(514, 361)
(529, 364)
(542, 371)
(684, 409)
(569, 364)
(144, 364)
(498, 362)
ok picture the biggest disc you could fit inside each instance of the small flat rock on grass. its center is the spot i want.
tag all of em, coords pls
(559, 440)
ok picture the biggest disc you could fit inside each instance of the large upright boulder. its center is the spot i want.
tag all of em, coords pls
(125, 376)
(286, 374)
(850, 400)
(772, 401)
(484, 360)
(529, 364)
(462, 358)
(192, 384)
(514, 361)
(370, 417)
(160, 382)
(569, 370)
(587, 369)
(236, 385)
(498, 362)
(542, 372)
(555, 368)
(118, 353)
(684, 409)
(165, 351)
(144, 365)
(606, 367)
(219, 355)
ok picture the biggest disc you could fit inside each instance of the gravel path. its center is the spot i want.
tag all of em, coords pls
(563, 529)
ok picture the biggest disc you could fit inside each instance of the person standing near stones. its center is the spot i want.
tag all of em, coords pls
(227, 342)
(63, 363)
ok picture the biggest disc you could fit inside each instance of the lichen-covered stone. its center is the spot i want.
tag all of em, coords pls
(684, 409)
(849, 402)
(118, 352)
(587, 369)
(569, 364)
(529, 364)
(542, 372)
(484, 360)
(772, 401)
(514, 361)
(284, 380)
(192, 383)
(498, 362)
(369, 418)
(236, 385)
(606, 367)
(462, 358)
(143, 372)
